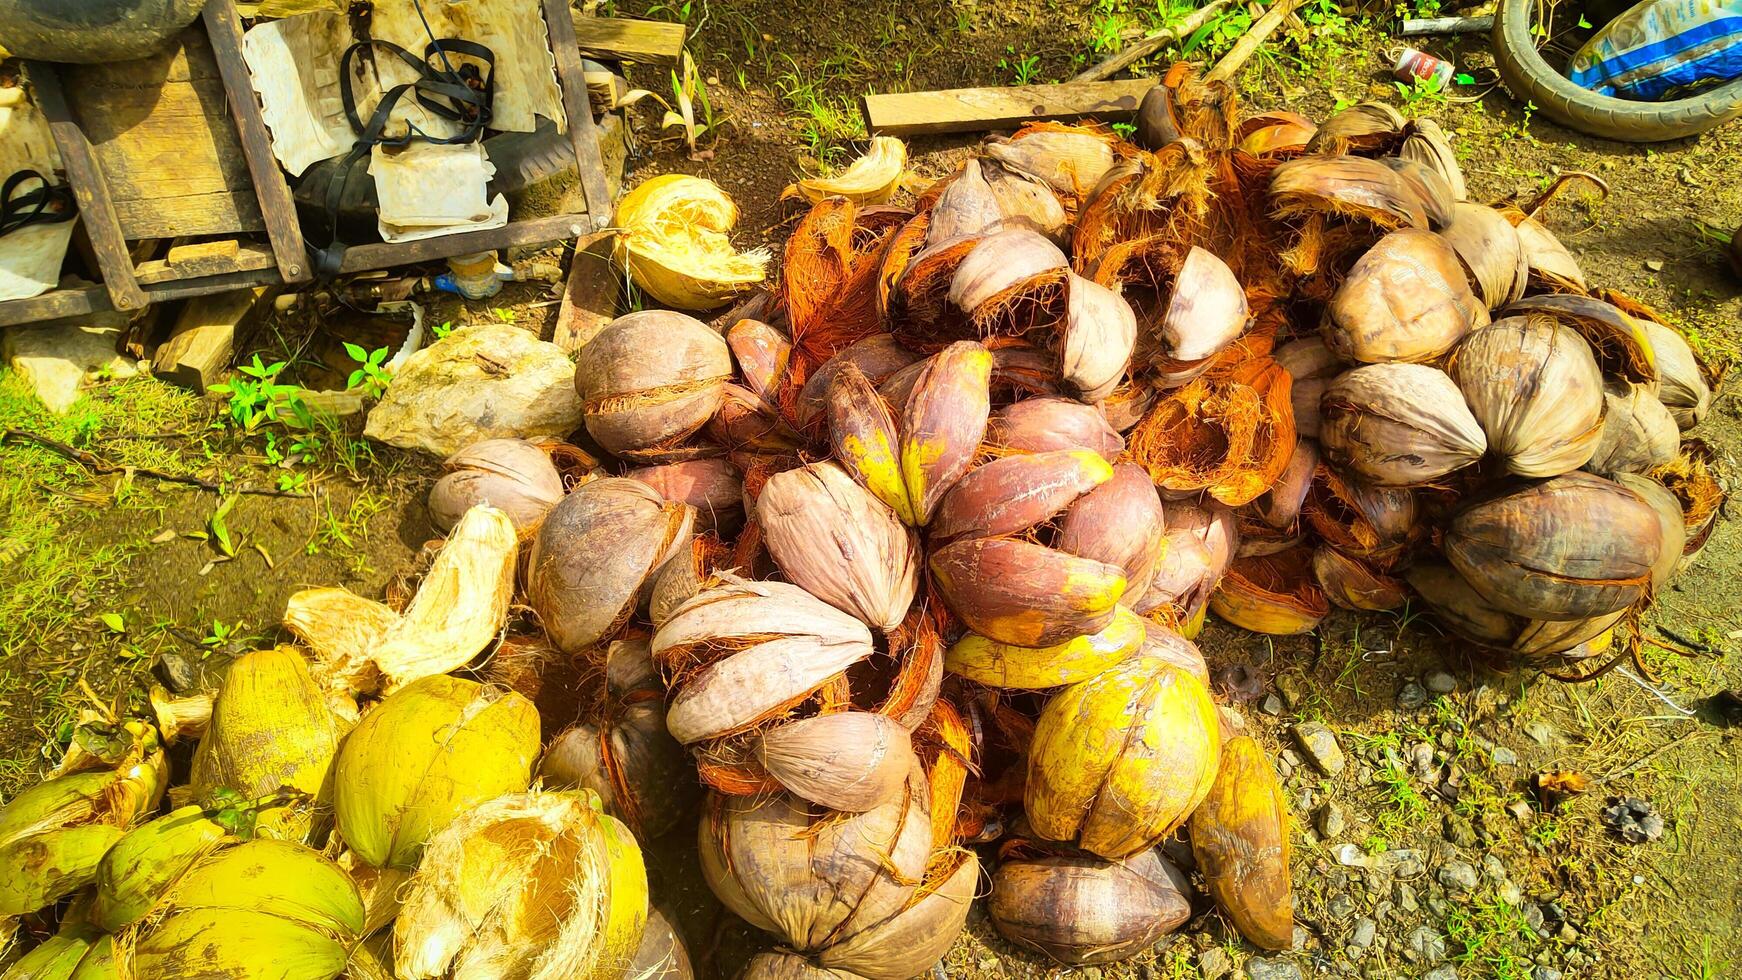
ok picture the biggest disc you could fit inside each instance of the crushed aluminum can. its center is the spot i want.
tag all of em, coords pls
(1413, 64)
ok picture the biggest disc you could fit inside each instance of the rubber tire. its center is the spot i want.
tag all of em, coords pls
(1530, 77)
(92, 32)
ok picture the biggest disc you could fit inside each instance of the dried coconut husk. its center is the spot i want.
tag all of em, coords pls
(1163, 643)
(1406, 299)
(1691, 478)
(339, 628)
(1240, 841)
(1024, 593)
(762, 354)
(1572, 547)
(714, 487)
(1312, 364)
(741, 653)
(685, 574)
(746, 423)
(1274, 594)
(877, 357)
(915, 281)
(1183, 578)
(1621, 343)
(1490, 250)
(1360, 519)
(1080, 909)
(1681, 385)
(1534, 387)
(966, 207)
(1638, 432)
(1119, 522)
(1008, 665)
(595, 554)
(1012, 494)
(521, 662)
(649, 380)
(942, 425)
(1026, 202)
(1428, 145)
(1128, 404)
(1206, 311)
(851, 761)
(871, 179)
(662, 954)
(1669, 520)
(1072, 159)
(1431, 188)
(1280, 506)
(1096, 338)
(1348, 187)
(1398, 425)
(1011, 281)
(1229, 434)
(1021, 370)
(1539, 643)
(1035, 425)
(833, 538)
(512, 475)
(829, 287)
(1354, 584)
(1162, 199)
(1278, 133)
(1368, 127)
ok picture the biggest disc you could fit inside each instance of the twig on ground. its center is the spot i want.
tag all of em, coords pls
(101, 466)
(1261, 29)
(1149, 44)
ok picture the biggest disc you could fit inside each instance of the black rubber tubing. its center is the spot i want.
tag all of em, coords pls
(1530, 77)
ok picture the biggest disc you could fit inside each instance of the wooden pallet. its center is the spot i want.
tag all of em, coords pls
(148, 156)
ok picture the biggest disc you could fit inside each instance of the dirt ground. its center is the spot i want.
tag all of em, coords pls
(100, 577)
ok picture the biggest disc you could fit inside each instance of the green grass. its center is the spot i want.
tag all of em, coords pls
(824, 120)
(1491, 933)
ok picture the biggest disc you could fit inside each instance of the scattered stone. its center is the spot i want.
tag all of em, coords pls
(1300, 938)
(176, 672)
(1493, 868)
(1239, 682)
(1365, 930)
(1289, 687)
(1258, 968)
(1405, 862)
(1284, 768)
(1405, 896)
(1440, 682)
(1320, 746)
(1421, 760)
(1272, 705)
(1654, 265)
(1441, 973)
(1340, 907)
(1545, 973)
(1304, 800)
(1509, 892)
(56, 359)
(1520, 811)
(1503, 756)
(1539, 732)
(1351, 856)
(1424, 945)
(1213, 963)
(1534, 919)
(1329, 820)
(1568, 934)
(1412, 696)
(1634, 819)
(1293, 757)
(1092, 973)
(1459, 830)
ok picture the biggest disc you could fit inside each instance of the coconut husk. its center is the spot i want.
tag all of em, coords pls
(1120, 523)
(762, 354)
(1369, 127)
(1681, 385)
(1638, 432)
(942, 425)
(1072, 159)
(1353, 584)
(1228, 434)
(1012, 494)
(1036, 425)
(1081, 910)
(1240, 840)
(866, 441)
(1490, 250)
(747, 424)
(1430, 188)
(1096, 339)
(1691, 477)
(877, 357)
(833, 538)
(1406, 299)
(1534, 387)
(1398, 425)
(672, 236)
(1347, 187)
(829, 287)
(1206, 311)
(871, 179)
(966, 207)
(1012, 281)
(511, 475)
(1274, 594)
(1621, 343)
(851, 761)
(662, 954)
(1025, 202)
(714, 487)
(1551, 266)
(649, 380)
(1539, 643)
(1280, 506)
(1019, 592)
(1428, 145)
(1008, 665)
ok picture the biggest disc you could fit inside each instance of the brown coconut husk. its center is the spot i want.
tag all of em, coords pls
(1691, 477)
(829, 282)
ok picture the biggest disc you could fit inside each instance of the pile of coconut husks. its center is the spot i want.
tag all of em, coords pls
(886, 584)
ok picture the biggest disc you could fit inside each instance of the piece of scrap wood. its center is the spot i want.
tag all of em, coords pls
(967, 110)
(1150, 44)
(203, 339)
(1261, 29)
(648, 42)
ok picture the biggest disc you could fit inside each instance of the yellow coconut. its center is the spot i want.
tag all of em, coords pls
(543, 886)
(1119, 761)
(426, 754)
(871, 179)
(73, 954)
(142, 867)
(672, 236)
(1240, 841)
(997, 664)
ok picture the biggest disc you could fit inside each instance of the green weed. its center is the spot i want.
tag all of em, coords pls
(824, 121)
(1022, 69)
(1492, 933)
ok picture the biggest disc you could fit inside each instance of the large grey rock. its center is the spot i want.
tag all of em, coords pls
(488, 381)
(57, 358)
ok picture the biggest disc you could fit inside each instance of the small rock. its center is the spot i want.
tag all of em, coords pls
(1405, 896)
(1272, 705)
(1289, 687)
(1424, 945)
(1278, 969)
(1299, 938)
(1329, 820)
(1539, 732)
(1320, 746)
(1441, 973)
(1545, 973)
(1654, 265)
(1493, 869)
(1459, 876)
(1520, 811)
(1509, 892)
(55, 361)
(1458, 830)
(1364, 931)
(1440, 682)
(1421, 760)
(1534, 919)
(1293, 757)
(1340, 907)
(1305, 799)
(1284, 768)
(1213, 963)
(1411, 696)
(1634, 819)
(1092, 973)
(1567, 934)
(1405, 862)
(176, 672)
(1503, 756)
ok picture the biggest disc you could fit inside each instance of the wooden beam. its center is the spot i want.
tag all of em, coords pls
(361, 258)
(203, 339)
(969, 110)
(277, 207)
(189, 262)
(590, 299)
(578, 109)
(96, 210)
(1146, 46)
(647, 42)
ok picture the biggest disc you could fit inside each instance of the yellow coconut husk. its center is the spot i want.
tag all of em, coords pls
(1119, 761)
(1273, 594)
(1240, 840)
(673, 238)
(71, 954)
(990, 662)
(426, 754)
(871, 179)
(340, 628)
(535, 885)
(179, 718)
(144, 865)
(271, 729)
(381, 889)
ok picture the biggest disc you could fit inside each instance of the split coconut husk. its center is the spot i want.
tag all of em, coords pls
(1639, 433)
(1280, 506)
(830, 288)
(996, 664)
(1406, 299)
(1354, 584)
(1072, 159)
(595, 554)
(1691, 477)
(1367, 127)
(1119, 761)
(1037, 425)
(1096, 339)
(714, 487)
(536, 885)
(1398, 425)
(1539, 643)
(1120, 522)
(1681, 384)
(851, 761)
(1621, 343)
(1240, 840)
(1012, 494)
(1012, 281)
(1534, 387)
(1274, 594)
(1490, 250)
(1353, 187)
(1205, 312)
(1229, 434)
(1081, 910)
(511, 475)
(1428, 145)
(649, 379)
(1028, 594)
(144, 866)
(833, 538)
(672, 236)
(1358, 518)
(427, 753)
(762, 354)
(871, 179)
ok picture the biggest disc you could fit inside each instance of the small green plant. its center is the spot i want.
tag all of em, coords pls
(504, 315)
(1107, 34)
(291, 481)
(371, 373)
(1422, 95)
(219, 528)
(441, 330)
(1126, 130)
(220, 634)
(1023, 70)
(690, 94)
(255, 394)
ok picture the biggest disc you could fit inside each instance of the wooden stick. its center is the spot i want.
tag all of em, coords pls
(1146, 46)
(96, 465)
(969, 110)
(1261, 29)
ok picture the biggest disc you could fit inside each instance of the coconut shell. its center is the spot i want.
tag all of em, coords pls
(649, 380)
(1399, 425)
(942, 424)
(1240, 840)
(850, 761)
(714, 487)
(1621, 343)
(511, 475)
(1015, 493)
(1638, 432)
(761, 353)
(1035, 425)
(1120, 523)
(1119, 761)
(1406, 299)
(1534, 387)
(1019, 592)
(831, 537)
(1572, 547)
(1026, 202)
(913, 941)
(1096, 339)
(1273, 594)
(1004, 265)
(1681, 381)
(1071, 159)
(866, 441)
(996, 664)
(1365, 126)
(877, 357)
(1353, 186)
(1353, 584)
(1165, 644)
(1549, 262)
(1082, 910)
(1490, 250)
(595, 553)
(1427, 144)
(1206, 310)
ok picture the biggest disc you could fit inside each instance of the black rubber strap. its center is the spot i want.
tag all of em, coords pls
(45, 205)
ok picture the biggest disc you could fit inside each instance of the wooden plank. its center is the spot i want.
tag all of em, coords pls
(96, 211)
(276, 205)
(79, 298)
(203, 340)
(969, 110)
(579, 111)
(181, 257)
(224, 213)
(361, 258)
(590, 299)
(647, 42)
(246, 258)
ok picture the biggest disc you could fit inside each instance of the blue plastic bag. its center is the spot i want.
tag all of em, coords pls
(1661, 45)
